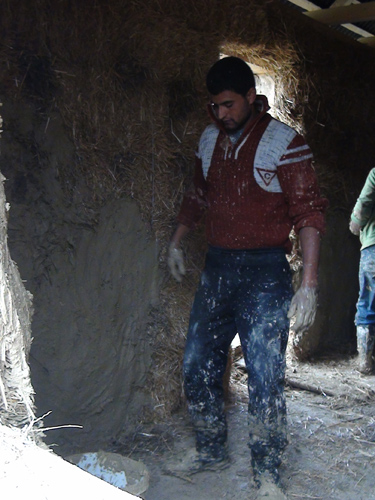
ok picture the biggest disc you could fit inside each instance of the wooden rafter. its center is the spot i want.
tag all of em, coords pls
(369, 40)
(341, 3)
(345, 14)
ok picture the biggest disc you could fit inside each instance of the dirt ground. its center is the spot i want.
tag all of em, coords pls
(331, 453)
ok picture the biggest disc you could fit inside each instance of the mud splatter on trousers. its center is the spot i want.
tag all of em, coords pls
(246, 292)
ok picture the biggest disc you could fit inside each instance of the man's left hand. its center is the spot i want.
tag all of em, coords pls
(303, 307)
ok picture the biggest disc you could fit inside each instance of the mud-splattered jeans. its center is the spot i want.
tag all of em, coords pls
(366, 300)
(246, 292)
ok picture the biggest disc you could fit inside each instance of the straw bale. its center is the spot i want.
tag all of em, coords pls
(211, 17)
(170, 50)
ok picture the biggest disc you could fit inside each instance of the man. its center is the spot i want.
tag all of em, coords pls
(362, 224)
(253, 181)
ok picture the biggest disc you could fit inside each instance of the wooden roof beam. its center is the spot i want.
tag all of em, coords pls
(346, 14)
(341, 3)
(355, 29)
(312, 10)
(367, 40)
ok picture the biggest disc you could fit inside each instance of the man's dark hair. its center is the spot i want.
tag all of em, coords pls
(230, 73)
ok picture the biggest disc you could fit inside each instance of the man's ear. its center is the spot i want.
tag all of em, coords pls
(251, 95)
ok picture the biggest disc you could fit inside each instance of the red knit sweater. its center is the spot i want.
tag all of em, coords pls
(255, 191)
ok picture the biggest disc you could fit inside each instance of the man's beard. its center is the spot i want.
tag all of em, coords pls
(239, 126)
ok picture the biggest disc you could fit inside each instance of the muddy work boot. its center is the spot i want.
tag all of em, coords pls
(269, 488)
(365, 347)
(189, 462)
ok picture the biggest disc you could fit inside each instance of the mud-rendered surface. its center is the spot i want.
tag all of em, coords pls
(94, 279)
(331, 454)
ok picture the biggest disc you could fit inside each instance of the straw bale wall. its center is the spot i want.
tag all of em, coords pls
(125, 80)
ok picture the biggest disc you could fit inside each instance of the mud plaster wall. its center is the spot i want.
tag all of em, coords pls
(94, 279)
(134, 106)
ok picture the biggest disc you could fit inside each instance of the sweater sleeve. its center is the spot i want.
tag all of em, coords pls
(366, 201)
(300, 187)
(194, 202)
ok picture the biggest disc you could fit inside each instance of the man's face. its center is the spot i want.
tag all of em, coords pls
(233, 110)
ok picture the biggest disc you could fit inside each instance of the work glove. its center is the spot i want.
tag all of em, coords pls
(354, 227)
(176, 262)
(303, 307)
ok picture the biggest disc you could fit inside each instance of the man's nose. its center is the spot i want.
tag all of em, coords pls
(222, 111)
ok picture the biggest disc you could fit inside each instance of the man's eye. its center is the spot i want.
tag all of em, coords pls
(229, 104)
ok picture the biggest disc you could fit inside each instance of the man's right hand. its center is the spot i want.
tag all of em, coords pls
(354, 227)
(176, 262)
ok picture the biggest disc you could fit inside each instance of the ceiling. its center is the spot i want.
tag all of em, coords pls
(353, 18)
